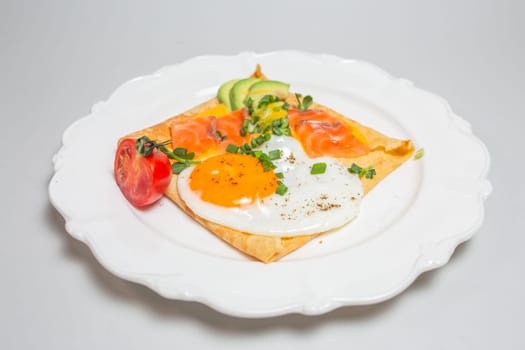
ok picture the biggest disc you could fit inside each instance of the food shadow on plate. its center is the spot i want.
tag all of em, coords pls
(118, 289)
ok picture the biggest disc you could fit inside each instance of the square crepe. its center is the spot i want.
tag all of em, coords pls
(386, 154)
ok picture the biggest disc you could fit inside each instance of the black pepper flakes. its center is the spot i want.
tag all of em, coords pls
(291, 158)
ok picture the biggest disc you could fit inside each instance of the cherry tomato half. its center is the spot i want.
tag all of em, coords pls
(142, 179)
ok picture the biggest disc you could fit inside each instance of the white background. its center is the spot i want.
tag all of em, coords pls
(59, 58)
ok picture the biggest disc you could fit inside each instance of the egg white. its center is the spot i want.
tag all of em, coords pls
(312, 204)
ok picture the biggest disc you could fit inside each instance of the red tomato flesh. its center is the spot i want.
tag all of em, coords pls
(141, 179)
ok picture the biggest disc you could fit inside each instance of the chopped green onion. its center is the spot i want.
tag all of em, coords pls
(419, 153)
(318, 168)
(231, 148)
(281, 188)
(250, 126)
(279, 175)
(275, 154)
(249, 150)
(267, 164)
(246, 148)
(248, 102)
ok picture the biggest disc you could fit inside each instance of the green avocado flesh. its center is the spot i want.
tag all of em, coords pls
(239, 91)
(224, 93)
(268, 87)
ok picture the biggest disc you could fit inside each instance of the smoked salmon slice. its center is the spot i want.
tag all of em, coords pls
(195, 134)
(229, 126)
(322, 134)
(204, 135)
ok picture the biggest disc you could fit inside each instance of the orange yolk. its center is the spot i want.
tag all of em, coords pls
(232, 180)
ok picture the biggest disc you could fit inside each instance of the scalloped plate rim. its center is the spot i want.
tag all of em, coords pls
(418, 268)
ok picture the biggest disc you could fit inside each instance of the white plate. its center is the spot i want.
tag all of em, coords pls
(410, 223)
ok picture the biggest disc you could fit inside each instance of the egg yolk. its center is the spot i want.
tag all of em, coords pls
(232, 180)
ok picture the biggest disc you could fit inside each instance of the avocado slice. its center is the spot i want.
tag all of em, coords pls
(223, 94)
(239, 91)
(269, 87)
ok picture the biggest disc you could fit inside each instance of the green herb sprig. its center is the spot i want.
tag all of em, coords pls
(368, 172)
(303, 103)
(145, 146)
(184, 159)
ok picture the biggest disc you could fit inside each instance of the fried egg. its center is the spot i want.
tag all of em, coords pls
(234, 190)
